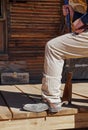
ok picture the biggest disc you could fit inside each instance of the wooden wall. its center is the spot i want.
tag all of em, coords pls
(30, 25)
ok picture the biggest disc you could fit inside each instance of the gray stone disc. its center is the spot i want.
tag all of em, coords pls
(38, 107)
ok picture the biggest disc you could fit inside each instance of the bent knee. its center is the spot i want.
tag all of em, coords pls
(50, 44)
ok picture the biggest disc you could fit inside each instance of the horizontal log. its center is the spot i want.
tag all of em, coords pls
(42, 3)
(32, 21)
(17, 15)
(31, 25)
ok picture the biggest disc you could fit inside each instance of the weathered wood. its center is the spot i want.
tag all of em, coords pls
(24, 65)
(80, 89)
(72, 116)
(50, 123)
(14, 78)
(67, 94)
(79, 104)
(32, 93)
(37, 124)
(3, 31)
(33, 15)
(3, 56)
(15, 100)
(5, 113)
(29, 31)
(29, 25)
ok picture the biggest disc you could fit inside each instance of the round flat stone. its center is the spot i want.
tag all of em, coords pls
(38, 107)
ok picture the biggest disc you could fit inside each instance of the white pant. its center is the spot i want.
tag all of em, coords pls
(56, 50)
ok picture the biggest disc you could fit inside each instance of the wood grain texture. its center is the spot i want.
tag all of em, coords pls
(15, 100)
(28, 21)
(51, 123)
(30, 25)
(14, 96)
(5, 113)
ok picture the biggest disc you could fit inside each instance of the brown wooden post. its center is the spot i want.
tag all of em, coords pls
(67, 94)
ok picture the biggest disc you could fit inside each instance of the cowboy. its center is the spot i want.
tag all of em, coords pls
(70, 45)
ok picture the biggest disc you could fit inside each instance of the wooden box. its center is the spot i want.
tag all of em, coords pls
(14, 78)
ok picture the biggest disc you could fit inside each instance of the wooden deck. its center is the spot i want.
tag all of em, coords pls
(12, 117)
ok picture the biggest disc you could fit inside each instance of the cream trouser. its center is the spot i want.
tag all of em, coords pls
(56, 50)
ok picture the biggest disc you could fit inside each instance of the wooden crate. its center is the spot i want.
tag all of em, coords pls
(14, 78)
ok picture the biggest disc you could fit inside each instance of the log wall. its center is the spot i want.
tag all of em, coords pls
(31, 24)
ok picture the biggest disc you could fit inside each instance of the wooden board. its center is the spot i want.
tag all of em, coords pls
(50, 123)
(72, 116)
(37, 89)
(80, 89)
(5, 113)
(15, 100)
(79, 103)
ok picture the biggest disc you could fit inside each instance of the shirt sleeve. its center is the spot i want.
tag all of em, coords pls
(76, 15)
(84, 18)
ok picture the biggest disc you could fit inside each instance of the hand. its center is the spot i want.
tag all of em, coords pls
(78, 26)
(66, 9)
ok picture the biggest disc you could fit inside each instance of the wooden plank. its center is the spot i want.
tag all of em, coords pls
(5, 113)
(17, 95)
(15, 100)
(27, 92)
(79, 96)
(30, 88)
(36, 89)
(32, 92)
(80, 89)
(50, 123)
(36, 124)
(79, 103)
(70, 121)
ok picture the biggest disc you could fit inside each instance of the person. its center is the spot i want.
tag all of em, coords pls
(71, 45)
